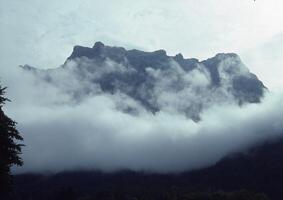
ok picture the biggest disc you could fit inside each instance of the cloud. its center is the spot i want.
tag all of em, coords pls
(95, 133)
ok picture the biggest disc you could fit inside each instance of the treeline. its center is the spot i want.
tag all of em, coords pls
(69, 193)
(123, 185)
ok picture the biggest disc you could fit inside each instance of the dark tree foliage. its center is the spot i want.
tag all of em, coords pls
(10, 150)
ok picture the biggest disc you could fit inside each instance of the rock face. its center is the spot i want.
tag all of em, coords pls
(154, 80)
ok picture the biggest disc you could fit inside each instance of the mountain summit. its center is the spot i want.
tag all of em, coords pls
(154, 81)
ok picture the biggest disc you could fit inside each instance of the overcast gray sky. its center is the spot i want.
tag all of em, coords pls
(42, 33)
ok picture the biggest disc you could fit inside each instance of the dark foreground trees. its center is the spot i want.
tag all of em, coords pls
(9, 148)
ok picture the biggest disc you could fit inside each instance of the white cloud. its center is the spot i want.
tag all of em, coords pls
(96, 134)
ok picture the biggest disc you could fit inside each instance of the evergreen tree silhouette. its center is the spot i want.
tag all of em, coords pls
(10, 150)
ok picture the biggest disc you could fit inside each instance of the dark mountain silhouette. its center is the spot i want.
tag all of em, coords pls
(147, 76)
(246, 175)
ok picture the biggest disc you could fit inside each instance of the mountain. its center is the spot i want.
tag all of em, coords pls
(153, 80)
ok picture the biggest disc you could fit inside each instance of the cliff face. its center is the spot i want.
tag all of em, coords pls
(154, 80)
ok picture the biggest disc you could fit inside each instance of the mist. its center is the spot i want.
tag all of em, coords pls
(96, 133)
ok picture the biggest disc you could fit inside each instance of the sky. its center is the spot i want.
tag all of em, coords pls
(43, 33)
(60, 135)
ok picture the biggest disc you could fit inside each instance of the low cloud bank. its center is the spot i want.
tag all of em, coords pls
(95, 133)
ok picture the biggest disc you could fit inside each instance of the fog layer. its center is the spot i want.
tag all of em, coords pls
(96, 132)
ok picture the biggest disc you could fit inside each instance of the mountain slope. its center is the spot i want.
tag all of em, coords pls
(258, 170)
(155, 81)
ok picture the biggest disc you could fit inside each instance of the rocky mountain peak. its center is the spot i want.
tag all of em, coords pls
(151, 79)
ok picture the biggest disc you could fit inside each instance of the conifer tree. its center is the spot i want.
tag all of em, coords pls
(10, 150)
